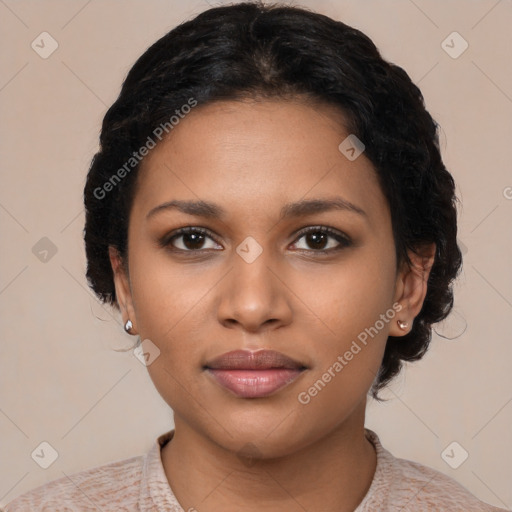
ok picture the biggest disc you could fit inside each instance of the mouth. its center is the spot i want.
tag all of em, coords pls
(254, 374)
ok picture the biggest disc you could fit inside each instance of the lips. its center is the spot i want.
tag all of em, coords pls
(247, 360)
(254, 374)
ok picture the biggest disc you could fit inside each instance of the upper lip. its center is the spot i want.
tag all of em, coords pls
(248, 360)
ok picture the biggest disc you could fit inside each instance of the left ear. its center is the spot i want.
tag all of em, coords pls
(411, 287)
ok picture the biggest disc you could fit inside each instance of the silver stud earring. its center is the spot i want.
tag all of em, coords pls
(402, 325)
(128, 326)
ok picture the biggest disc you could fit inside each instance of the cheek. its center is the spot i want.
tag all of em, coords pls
(170, 303)
(351, 296)
(354, 305)
(167, 294)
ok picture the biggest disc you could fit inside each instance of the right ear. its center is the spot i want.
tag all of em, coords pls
(123, 289)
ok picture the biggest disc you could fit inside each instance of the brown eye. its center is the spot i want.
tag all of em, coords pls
(317, 239)
(188, 239)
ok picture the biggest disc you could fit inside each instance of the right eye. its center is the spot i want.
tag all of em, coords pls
(193, 239)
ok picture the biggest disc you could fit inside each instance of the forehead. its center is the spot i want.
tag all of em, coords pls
(256, 155)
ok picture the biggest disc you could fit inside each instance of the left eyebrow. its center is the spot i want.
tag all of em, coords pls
(310, 206)
(298, 209)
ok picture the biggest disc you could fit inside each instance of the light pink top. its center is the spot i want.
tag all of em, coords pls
(139, 484)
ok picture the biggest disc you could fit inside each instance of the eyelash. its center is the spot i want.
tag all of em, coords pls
(344, 240)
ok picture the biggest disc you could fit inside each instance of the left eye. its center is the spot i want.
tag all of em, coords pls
(317, 236)
(193, 239)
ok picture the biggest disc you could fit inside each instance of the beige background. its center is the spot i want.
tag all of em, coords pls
(60, 379)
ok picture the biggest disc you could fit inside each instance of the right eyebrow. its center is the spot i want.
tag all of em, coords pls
(197, 208)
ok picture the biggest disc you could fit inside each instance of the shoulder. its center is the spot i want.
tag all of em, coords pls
(412, 486)
(432, 490)
(90, 490)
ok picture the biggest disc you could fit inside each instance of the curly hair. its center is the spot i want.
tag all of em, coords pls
(252, 50)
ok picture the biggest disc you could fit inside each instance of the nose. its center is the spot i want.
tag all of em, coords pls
(254, 296)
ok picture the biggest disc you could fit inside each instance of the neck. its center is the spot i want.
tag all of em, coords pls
(336, 472)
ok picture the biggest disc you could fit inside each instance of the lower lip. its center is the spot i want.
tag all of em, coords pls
(254, 383)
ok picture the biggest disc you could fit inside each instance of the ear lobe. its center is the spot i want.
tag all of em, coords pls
(411, 287)
(122, 286)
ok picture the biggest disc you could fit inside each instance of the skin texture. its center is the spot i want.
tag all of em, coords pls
(251, 158)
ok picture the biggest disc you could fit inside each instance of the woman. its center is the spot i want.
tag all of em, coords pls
(270, 213)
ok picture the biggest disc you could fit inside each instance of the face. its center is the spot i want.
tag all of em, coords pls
(311, 283)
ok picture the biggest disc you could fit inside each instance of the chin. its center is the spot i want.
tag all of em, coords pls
(260, 435)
